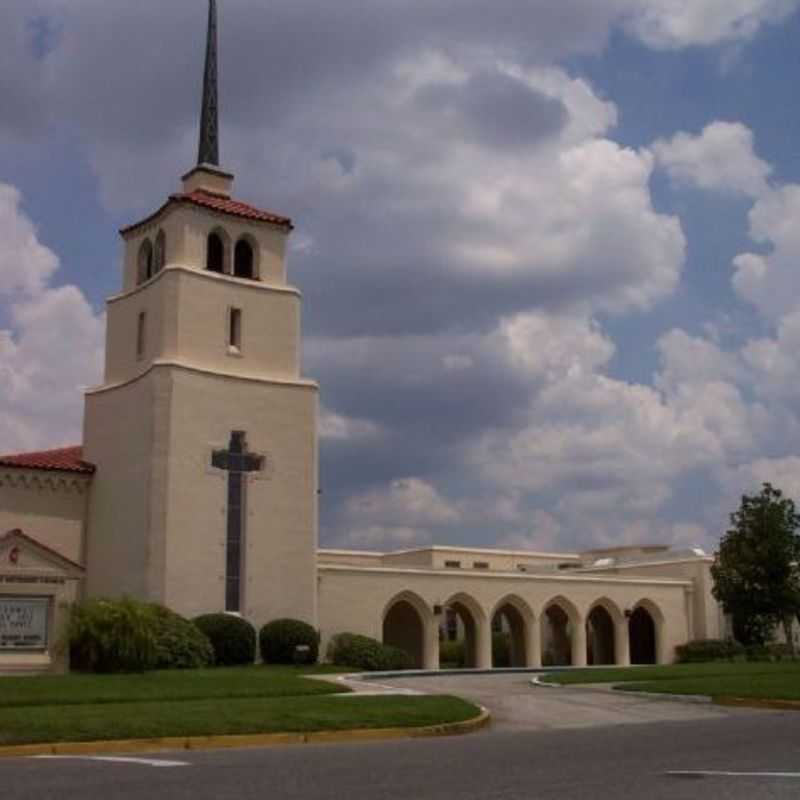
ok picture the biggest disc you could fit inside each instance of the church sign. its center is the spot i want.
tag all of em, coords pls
(23, 623)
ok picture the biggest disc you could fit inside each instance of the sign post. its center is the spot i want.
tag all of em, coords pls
(23, 623)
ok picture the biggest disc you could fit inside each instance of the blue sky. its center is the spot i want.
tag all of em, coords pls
(547, 254)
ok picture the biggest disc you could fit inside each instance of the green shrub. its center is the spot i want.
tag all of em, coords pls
(452, 654)
(702, 650)
(179, 643)
(278, 639)
(232, 638)
(112, 636)
(501, 650)
(353, 650)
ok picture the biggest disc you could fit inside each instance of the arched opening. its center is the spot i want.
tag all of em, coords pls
(459, 647)
(508, 636)
(642, 634)
(600, 637)
(160, 251)
(145, 261)
(243, 260)
(403, 627)
(215, 253)
(556, 637)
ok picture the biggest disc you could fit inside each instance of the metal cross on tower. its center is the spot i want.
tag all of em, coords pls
(237, 462)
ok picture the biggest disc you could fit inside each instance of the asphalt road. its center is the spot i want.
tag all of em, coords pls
(509, 762)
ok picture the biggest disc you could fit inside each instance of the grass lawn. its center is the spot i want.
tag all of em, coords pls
(206, 702)
(92, 722)
(776, 681)
(198, 684)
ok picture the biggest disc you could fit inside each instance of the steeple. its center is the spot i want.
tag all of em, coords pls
(207, 175)
(208, 152)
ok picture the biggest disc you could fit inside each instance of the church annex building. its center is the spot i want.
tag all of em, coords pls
(196, 482)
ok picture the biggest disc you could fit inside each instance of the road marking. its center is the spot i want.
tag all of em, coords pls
(147, 762)
(708, 773)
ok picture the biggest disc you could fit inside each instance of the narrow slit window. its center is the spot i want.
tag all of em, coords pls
(140, 334)
(235, 329)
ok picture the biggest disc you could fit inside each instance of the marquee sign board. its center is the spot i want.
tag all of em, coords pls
(23, 623)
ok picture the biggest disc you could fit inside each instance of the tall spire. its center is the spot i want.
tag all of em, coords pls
(209, 120)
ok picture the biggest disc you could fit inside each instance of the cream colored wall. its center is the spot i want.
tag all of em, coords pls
(124, 433)
(281, 536)
(355, 599)
(357, 557)
(498, 560)
(707, 618)
(48, 506)
(187, 228)
(187, 321)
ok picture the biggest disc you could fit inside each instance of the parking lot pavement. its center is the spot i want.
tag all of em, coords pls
(517, 705)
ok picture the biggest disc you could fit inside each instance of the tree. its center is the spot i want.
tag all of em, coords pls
(755, 571)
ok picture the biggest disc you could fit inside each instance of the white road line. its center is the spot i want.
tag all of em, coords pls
(703, 773)
(147, 762)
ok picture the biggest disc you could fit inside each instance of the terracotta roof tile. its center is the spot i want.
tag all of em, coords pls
(65, 459)
(219, 203)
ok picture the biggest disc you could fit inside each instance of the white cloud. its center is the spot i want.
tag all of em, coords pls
(721, 158)
(672, 24)
(770, 280)
(381, 537)
(54, 347)
(406, 502)
(338, 427)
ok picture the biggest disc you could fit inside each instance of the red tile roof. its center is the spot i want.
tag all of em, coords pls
(65, 459)
(219, 203)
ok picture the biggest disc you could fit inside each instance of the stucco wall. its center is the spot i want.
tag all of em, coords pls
(281, 537)
(376, 588)
(49, 506)
(123, 431)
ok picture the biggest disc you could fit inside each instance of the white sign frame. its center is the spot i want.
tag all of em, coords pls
(38, 624)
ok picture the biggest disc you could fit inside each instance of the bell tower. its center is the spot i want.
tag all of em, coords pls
(204, 432)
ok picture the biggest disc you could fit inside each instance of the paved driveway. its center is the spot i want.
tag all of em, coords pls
(516, 705)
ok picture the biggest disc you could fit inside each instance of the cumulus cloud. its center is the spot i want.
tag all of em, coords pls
(721, 158)
(673, 24)
(53, 346)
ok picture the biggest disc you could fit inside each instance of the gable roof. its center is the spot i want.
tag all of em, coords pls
(64, 459)
(220, 203)
(49, 553)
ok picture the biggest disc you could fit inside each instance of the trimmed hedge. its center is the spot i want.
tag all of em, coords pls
(179, 643)
(354, 650)
(112, 636)
(232, 638)
(452, 654)
(702, 650)
(278, 639)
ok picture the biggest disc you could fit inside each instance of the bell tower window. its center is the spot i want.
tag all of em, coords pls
(145, 261)
(243, 261)
(141, 333)
(235, 330)
(215, 255)
(160, 251)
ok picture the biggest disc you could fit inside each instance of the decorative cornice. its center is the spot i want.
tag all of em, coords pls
(33, 479)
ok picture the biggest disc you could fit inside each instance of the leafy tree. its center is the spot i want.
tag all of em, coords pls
(755, 571)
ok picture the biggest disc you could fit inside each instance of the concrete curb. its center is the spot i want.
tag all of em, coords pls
(245, 741)
(755, 702)
(594, 687)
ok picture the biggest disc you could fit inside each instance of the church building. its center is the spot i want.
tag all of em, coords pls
(196, 482)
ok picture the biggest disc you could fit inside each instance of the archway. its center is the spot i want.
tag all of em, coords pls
(243, 260)
(600, 637)
(556, 637)
(160, 251)
(404, 627)
(464, 616)
(509, 623)
(145, 261)
(642, 634)
(215, 253)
